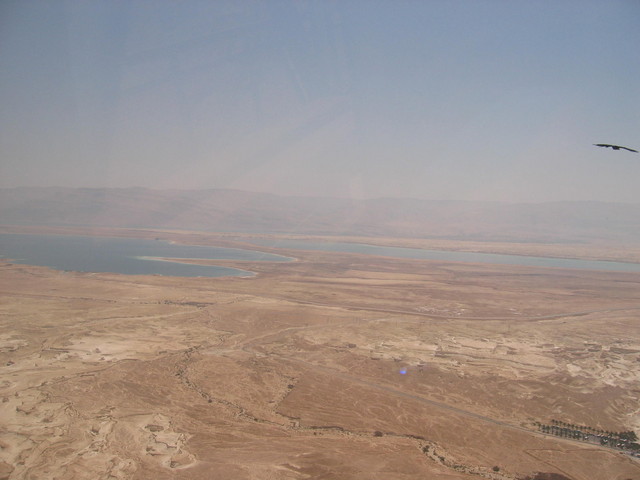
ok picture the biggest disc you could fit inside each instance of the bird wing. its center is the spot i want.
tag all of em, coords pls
(615, 147)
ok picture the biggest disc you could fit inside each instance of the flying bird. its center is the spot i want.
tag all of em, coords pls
(615, 147)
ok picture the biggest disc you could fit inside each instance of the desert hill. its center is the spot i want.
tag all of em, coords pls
(240, 211)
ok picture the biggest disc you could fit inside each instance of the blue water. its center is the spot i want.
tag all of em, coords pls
(128, 256)
(449, 256)
(132, 256)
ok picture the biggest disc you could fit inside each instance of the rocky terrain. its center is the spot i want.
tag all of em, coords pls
(336, 366)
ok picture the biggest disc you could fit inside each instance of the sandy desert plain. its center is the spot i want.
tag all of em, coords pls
(335, 366)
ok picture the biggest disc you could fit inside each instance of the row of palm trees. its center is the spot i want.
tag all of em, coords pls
(564, 432)
(628, 435)
(622, 440)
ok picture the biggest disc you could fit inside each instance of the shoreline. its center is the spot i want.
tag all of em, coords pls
(249, 273)
(619, 253)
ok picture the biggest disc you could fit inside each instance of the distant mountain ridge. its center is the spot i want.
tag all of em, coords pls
(240, 211)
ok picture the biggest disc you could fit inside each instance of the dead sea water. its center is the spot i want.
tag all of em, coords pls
(129, 256)
(451, 256)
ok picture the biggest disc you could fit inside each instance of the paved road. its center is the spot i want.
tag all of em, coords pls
(455, 317)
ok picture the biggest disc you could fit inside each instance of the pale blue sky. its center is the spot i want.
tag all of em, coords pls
(471, 100)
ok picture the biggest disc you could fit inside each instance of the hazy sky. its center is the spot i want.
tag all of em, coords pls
(489, 100)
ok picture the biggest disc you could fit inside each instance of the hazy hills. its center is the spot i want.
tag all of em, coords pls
(239, 211)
